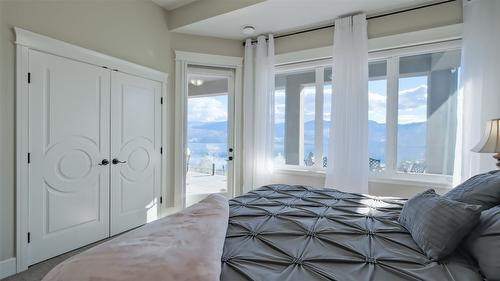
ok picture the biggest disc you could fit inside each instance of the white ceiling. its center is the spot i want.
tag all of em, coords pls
(172, 4)
(281, 16)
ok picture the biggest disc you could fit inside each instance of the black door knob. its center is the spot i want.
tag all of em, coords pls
(104, 162)
(116, 161)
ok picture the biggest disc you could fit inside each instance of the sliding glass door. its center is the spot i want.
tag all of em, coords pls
(210, 133)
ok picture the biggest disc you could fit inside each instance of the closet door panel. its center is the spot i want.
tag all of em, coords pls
(135, 148)
(69, 136)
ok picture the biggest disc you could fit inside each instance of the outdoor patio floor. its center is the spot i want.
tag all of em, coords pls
(199, 183)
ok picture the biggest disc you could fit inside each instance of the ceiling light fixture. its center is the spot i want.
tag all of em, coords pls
(196, 82)
(248, 30)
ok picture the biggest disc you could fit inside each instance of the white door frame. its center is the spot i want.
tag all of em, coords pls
(26, 40)
(228, 74)
(182, 60)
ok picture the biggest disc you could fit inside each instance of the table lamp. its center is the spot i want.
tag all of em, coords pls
(490, 143)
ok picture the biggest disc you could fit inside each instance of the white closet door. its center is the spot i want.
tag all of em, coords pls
(135, 150)
(68, 138)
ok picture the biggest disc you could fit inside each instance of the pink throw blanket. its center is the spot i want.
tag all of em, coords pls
(184, 246)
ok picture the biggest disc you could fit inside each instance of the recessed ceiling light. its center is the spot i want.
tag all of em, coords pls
(196, 82)
(248, 30)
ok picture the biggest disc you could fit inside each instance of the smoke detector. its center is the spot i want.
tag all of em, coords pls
(248, 30)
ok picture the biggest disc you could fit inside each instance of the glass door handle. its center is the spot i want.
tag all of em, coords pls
(116, 161)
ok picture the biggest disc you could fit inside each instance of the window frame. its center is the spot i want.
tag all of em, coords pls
(391, 56)
(319, 67)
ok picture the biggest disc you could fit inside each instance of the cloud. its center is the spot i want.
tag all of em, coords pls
(207, 109)
(309, 103)
(279, 106)
(413, 98)
(411, 118)
(377, 106)
(327, 102)
(412, 105)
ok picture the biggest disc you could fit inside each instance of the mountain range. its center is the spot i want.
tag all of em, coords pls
(411, 137)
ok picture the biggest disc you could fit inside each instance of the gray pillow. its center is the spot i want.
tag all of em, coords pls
(482, 189)
(438, 224)
(484, 243)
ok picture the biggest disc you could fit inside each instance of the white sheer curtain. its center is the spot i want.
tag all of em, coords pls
(480, 93)
(258, 112)
(348, 150)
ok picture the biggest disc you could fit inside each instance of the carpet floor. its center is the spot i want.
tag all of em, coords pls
(37, 271)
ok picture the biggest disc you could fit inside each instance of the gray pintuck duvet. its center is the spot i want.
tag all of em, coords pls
(285, 233)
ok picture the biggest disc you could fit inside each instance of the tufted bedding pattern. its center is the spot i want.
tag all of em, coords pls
(282, 232)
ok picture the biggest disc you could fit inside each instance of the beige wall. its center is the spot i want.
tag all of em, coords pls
(135, 31)
(425, 18)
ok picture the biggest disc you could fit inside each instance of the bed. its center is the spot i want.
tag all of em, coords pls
(282, 232)
(276, 232)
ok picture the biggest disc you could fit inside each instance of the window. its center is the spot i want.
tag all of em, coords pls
(308, 100)
(295, 115)
(412, 132)
(327, 114)
(377, 115)
(427, 112)
(411, 119)
(279, 127)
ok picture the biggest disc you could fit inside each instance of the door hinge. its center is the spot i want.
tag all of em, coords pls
(29, 237)
(161, 199)
(161, 100)
(29, 157)
(161, 150)
(29, 77)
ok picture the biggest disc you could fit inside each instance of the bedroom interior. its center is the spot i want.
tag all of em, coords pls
(249, 140)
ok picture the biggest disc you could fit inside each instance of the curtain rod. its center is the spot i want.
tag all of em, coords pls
(368, 18)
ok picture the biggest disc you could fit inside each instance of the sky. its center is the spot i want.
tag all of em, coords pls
(412, 100)
(207, 109)
(377, 97)
(412, 103)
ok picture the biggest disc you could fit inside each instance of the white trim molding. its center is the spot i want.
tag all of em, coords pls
(53, 46)
(420, 37)
(7, 267)
(182, 61)
(180, 133)
(25, 41)
(208, 59)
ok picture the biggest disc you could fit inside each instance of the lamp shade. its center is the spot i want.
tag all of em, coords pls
(490, 143)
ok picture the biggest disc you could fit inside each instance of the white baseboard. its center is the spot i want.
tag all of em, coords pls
(7, 267)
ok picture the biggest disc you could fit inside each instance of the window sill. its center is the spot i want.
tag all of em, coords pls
(441, 182)
(431, 181)
(301, 171)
